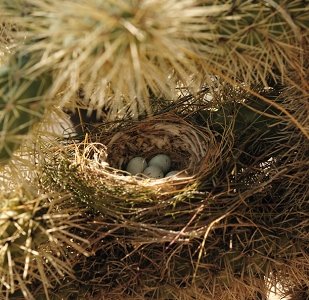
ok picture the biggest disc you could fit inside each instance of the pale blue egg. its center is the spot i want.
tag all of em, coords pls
(154, 172)
(162, 161)
(136, 165)
(171, 173)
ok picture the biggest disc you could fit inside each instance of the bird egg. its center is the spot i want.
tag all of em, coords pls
(154, 172)
(162, 161)
(171, 173)
(136, 165)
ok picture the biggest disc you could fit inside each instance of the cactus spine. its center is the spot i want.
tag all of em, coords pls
(31, 240)
(22, 102)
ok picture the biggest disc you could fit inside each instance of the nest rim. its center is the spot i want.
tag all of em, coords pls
(198, 156)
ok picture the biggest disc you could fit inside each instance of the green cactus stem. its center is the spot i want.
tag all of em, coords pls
(22, 102)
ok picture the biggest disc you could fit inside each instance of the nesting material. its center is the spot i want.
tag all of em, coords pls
(188, 147)
(156, 219)
(203, 235)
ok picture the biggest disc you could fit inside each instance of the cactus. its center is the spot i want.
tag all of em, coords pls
(258, 41)
(31, 237)
(123, 51)
(244, 41)
(21, 102)
(240, 217)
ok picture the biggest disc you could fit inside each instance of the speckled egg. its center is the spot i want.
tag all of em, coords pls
(171, 173)
(154, 172)
(162, 161)
(136, 165)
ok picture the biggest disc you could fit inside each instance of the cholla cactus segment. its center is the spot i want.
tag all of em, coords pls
(36, 237)
(7, 38)
(22, 102)
(125, 51)
(256, 39)
(120, 50)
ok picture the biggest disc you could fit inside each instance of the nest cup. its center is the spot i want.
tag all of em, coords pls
(188, 146)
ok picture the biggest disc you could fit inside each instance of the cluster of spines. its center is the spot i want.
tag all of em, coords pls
(22, 101)
(34, 242)
(124, 50)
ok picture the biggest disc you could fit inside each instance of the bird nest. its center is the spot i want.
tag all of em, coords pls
(193, 150)
(181, 237)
